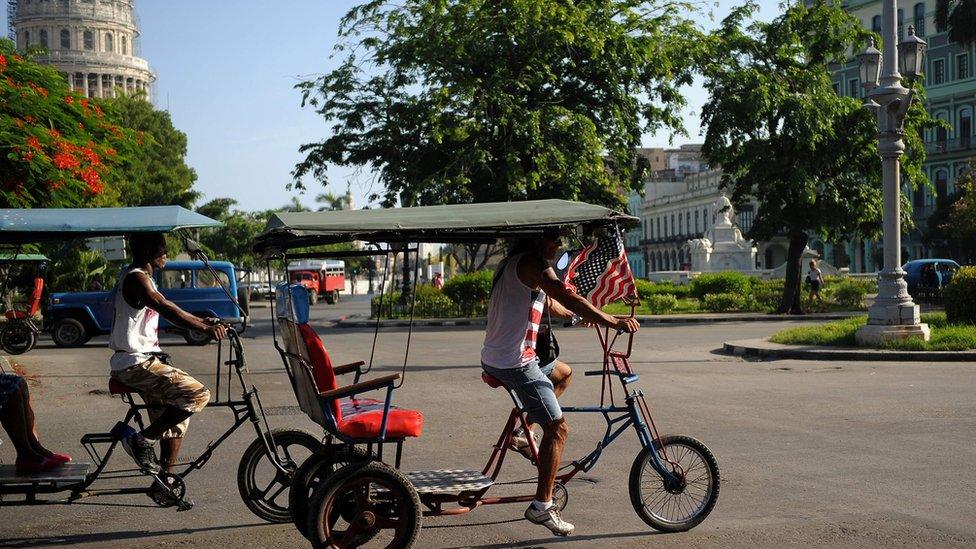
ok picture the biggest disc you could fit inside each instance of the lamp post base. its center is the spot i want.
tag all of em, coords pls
(872, 335)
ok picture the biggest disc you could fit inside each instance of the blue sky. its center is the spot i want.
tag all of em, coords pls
(226, 71)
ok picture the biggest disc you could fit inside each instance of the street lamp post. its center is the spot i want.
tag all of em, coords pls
(893, 314)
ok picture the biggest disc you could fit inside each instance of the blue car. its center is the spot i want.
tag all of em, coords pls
(73, 318)
(927, 277)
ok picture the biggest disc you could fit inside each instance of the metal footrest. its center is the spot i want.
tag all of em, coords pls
(69, 473)
(448, 481)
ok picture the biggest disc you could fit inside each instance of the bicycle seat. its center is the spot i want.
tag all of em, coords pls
(491, 380)
(117, 388)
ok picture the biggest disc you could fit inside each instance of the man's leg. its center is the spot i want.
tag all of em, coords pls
(550, 452)
(169, 449)
(561, 377)
(17, 419)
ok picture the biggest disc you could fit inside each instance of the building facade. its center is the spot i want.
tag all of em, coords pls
(950, 86)
(94, 43)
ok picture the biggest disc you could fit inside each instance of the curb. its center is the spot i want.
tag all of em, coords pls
(760, 348)
(644, 320)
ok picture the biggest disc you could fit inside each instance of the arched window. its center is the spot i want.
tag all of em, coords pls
(876, 24)
(65, 39)
(89, 40)
(941, 135)
(965, 127)
(125, 45)
(44, 37)
(919, 201)
(109, 43)
(920, 19)
(901, 24)
(942, 184)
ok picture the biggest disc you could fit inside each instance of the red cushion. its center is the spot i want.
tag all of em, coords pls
(117, 388)
(362, 418)
(12, 314)
(325, 379)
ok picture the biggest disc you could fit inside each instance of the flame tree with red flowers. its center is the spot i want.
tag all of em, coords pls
(58, 148)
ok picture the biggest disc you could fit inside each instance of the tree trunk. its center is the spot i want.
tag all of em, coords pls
(407, 287)
(792, 291)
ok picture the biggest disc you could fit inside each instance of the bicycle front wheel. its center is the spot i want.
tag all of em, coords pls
(263, 487)
(680, 507)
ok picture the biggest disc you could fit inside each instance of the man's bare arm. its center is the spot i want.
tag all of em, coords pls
(535, 273)
(557, 309)
(137, 288)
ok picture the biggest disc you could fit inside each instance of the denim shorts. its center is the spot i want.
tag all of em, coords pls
(533, 388)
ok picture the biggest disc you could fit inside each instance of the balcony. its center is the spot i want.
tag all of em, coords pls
(950, 145)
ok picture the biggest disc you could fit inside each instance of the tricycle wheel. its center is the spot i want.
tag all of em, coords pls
(263, 487)
(363, 501)
(17, 338)
(69, 332)
(318, 468)
(679, 506)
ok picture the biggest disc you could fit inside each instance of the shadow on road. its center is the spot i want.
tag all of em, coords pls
(552, 540)
(44, 541)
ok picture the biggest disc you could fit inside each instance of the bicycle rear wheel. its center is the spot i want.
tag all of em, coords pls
(681, 507)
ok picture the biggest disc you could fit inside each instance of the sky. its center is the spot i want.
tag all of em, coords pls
(226, 71)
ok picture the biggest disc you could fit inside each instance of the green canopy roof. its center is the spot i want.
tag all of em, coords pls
(448, 223)
(45, 224)
(7, 257)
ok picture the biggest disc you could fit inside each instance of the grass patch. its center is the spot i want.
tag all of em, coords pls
(683, 306)
(945, 336)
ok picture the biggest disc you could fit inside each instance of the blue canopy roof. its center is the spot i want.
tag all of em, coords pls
(45, 224)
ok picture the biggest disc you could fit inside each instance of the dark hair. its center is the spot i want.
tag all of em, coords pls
(531, 244)
(143, 246)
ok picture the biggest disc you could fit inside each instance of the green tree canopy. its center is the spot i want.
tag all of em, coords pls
(959, 16)
(58, 148)
(234, 240)
(952, 226)
(458, 101)
(156, 174)
(784, 137)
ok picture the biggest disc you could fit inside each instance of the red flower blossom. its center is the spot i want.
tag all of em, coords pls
(29, 119)
(33, 142)
(81, 126)
(98, 111)
(91, 156)
(65, 161)
(92, 179)
(69, 99)
(3, 63)
(54, 133)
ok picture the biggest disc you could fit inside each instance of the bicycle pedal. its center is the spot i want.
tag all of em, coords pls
(184, 505)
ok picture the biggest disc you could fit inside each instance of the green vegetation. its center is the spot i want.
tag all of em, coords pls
(945, 335)
(728, 282)
(470, 291)
(786, 139)
(960, 297)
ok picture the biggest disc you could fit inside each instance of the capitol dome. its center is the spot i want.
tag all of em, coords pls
(94, 43)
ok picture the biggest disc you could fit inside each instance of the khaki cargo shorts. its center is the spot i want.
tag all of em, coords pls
(160, 385)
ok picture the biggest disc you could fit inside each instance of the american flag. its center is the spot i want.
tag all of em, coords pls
(601, 272)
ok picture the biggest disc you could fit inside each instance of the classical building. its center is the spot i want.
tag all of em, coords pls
(94, 43)
(950, 85)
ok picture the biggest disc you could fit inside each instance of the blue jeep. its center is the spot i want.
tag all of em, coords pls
(75, 317)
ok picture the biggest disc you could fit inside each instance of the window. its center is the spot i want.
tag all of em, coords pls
(65, 39)
(938, 71)
(836, 88)
(745, 217)
(89, 40)
(919, 199)
(853, 86)
(965, 130)
(876, 24)
(697, 229)
(658, 232)
(109, 45)
(920, 19)
(44, 37)
(942, 184)
(687, 222)
(962, 66)
(205, 279)
(901, 24)
(674, 226)
(125, 45)
(940, 25)
(175, 278)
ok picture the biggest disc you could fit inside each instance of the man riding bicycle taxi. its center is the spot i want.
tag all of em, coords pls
(524, 284)
(140, 363)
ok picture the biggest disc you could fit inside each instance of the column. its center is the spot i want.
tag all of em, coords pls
(71, 81)
(100, 90)
(84, 83)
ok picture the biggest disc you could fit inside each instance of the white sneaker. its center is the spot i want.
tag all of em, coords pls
(550, 519)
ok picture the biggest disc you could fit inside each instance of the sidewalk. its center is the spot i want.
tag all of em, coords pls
(645, 320)
(761, 348)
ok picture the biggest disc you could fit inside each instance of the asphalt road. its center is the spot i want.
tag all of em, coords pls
(811, 453)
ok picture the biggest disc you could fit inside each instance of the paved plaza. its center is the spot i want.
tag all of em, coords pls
(811, 453)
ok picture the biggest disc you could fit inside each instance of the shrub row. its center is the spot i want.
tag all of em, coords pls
(960, 297)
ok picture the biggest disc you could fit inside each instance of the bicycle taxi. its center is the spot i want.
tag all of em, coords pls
(352, 491)
(19, 333)
(266, 467)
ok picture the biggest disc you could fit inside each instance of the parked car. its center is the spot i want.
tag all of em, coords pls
(260, 290)
(73, 318)
(927, 277)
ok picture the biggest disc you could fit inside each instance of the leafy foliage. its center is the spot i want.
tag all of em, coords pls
(58, 148)
(471, 291)
(960, 297)
(786, 139)
(232, 241)
(722, 303)
(728, 282)
(850, 294)
(660, 303)
(960, 18)
(459, 101)
(953, 223)
(156, 173)
(430, 303)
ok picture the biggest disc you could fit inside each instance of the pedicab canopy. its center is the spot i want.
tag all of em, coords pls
(447, 223)
(46, 224)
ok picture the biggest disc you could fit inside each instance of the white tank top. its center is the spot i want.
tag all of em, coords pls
(514, 315)
(135, 332)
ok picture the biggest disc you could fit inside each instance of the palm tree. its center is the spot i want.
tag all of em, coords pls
(331, 202)
(960, 17)
(294, 206)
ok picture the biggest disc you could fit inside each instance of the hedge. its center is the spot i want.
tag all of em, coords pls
(720, 283)
(725, 302)
(430, 303)
(959, 297)
(470, 291)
